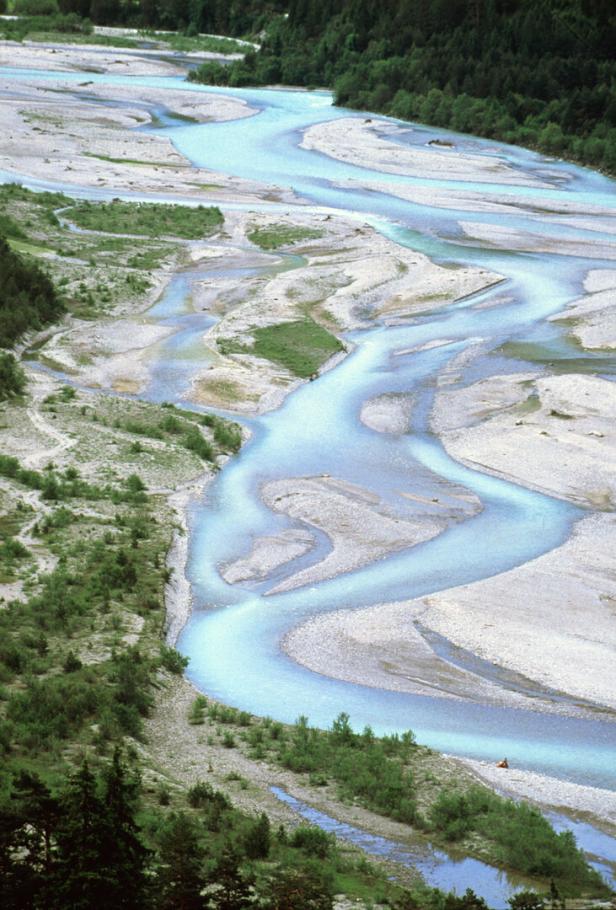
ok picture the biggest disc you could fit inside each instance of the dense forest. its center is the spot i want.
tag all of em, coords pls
(28, 301)
(209, 16)
(539, 73)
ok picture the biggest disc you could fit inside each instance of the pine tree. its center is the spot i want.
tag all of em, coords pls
(181, 879)
(230, 888)
(125, 855)
(83, 881)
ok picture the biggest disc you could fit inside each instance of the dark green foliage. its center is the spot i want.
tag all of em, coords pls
(533, 72)
(26, 851)
(181, 877)
(35, 7)
(10, 228)
(79, 848)
(370, 769)
(181, 427)
(115, 694)
(197, 443)
(257, 839)
(172, 660)
(28, 302)
(526, 841)
(196, 715)
(309, 888)
(55, 487)
(203, 796)
(468, 901)
(100, 854)
(230, 887)
(12, 377)
(11, 549)
(226, 434)
(312, 840)
(72, 663)
(526, 900)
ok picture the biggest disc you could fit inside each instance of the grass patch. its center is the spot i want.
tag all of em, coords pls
(186, 43)
(31, 249)
(224, 390)
(54, 37)
(530, 404)
(301, 346)
(148, 219)
(133, 161)
(277, 235)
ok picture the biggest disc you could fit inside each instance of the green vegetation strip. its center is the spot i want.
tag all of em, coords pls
(182, 426)
(147, 218)
(276, 235)
(301, 347)
(388, 775)
(213, 44)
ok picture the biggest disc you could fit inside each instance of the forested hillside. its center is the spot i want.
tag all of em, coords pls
(28, 301)
(540, 73)
(210, 16)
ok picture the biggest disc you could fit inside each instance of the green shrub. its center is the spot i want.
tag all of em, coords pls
(313, 841)
(172, 660)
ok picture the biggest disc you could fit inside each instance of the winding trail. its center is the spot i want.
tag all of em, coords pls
(38, 391)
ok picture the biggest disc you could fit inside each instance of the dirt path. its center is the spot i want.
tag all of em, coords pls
(40, 388)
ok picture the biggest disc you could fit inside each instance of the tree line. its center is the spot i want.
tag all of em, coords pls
(539, 73)
(29, 300)
(210, 16)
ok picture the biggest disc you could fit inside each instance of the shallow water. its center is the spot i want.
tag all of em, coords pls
(438, 868)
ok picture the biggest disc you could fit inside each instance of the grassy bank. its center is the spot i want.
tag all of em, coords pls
(93, 273)
(274, 236)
